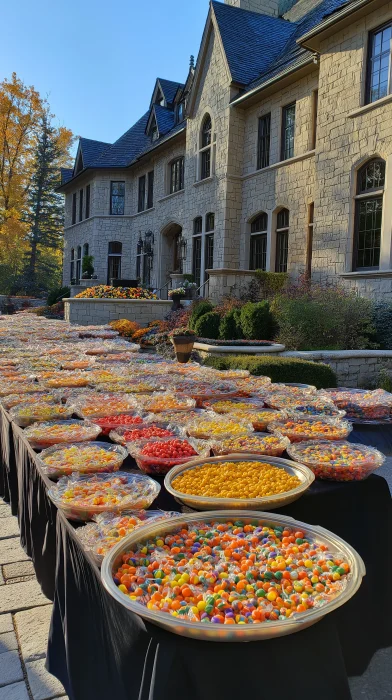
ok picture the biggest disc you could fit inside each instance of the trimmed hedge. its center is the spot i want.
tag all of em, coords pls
(257, 321)
(279, 369)
(201, 308)
(230, 326)
(207, 326)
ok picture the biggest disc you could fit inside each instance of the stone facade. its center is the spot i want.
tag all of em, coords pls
(101, 311)
(323, 171)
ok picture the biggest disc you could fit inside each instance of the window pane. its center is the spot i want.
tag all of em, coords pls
(74, 208)
(81, 205)
(177, 175)
(288, 132)
(196, 263)
(283, 219)
(197, 225)
(372, 176)
(368, 239)
(87, 201)
(210, 222)
(115, 247)
(206, 132)
(117, 198)
(142, 193)
(114, 267)
(209, 253)
(260, 223)
(85, 249)
(264, 140)
(379, 63)
(150, 191)
(258, 252)
(206, 164)
(282, 243)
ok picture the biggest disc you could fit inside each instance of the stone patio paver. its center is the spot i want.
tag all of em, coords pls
(8, 642)
(20, 568)
(42, 684)
(5, 510)
(10, 668)
(16, 691)
(11, 551)
(6, 624)
(9, 527)
(20, 596)
(33, 629)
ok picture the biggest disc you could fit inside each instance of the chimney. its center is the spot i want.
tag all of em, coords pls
(274, 8)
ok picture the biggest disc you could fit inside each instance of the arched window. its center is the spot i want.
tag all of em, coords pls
(205, 148)
(177, 175)
(282, 240)
(196, 249)
(72, 268)
(258, 242)
(114, 260)
(78, 263)
(368, 215)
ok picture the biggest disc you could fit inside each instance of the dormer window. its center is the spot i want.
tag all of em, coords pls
(154, 133)
(160, 100)
(180, 112)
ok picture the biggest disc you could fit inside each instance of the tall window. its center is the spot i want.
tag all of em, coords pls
(117, 198)
(288, 131)
(209, 242)
(88, 194)
(206, 145)
(368, 215)
(282, 240)
(139, 259)
(150, 189)
(114, 260)
(309, 240)
(177, 175)
(141, 200)
(85, 249)
(72, 267)
(74, 208)
(379, 63)
(196, 254)
(264, 142)
(258, 242)
(313, 133)
(78, 263)
(80, 205)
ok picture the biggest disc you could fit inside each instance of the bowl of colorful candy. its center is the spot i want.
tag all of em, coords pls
(337, 461)
(144, 432)
(83, 457)
(81, 497)
(243, 481)
(223, 406)
(41, 435)
(15, 399)
(159, 402)
(203, 390)
(212, 426)
(67, 379)
(256, 594)
(103, 405)
(109, 423)
(361, 405)
(255, 443)
(160, 455)
(297, 428)
(24, 415)
(100, 536)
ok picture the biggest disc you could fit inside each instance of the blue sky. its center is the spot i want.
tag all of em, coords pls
(97, 61)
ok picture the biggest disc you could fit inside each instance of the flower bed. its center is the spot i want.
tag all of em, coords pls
(103, 291)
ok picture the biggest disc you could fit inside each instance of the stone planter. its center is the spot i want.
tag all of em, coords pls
(183, 345)
(176, 299)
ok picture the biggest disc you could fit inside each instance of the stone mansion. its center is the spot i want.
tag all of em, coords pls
(274, 154)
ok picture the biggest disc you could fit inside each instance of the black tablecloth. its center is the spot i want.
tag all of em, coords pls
(8, 475)
(378, 435)
(99, 650)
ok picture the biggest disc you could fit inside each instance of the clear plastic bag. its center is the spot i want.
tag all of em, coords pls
(337, 461)
(210, 427)
(85, 458)
(255, 443)
(41, 435)
(101, 405)
(159, 402)
(145, 431)
(362, 405)
(26, 414)
(149, 460)
(311, 428)
(82, 497)
(230, 406)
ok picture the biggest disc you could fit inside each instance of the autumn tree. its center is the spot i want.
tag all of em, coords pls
(45, 206)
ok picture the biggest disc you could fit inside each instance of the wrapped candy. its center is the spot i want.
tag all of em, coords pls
(26, 414)
(159, 402)
(260, 443)
(297, 428)
(215, 427)
(158, 456)
(85, 458)
(41, 435)
(337, 461)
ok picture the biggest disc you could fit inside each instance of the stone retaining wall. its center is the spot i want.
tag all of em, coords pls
(353, 368)
(101, 311)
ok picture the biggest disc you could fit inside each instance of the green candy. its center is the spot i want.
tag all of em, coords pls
(260, 593)
(278, 574)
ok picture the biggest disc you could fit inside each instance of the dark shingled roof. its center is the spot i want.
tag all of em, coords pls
(91, 151)
(169, 88)
(66, 174)
(127, 147)
(165, 119)
(252, 41)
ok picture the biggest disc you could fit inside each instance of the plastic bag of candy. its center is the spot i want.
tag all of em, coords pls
(298, 428)
(85, 458)
(255, 443)
(337, 461)
(41, 435)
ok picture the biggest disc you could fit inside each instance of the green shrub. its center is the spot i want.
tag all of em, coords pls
(257, 321)
(279, 369)
(384, 380)
(207, 326)
(230, 326)
(326, 318)
(57, 294)
(382, 320)
(200, 308)
(271, 283)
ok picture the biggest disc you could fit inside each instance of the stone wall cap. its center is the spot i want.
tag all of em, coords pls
(229, 271)
(337, 354)
(235, 349)
(118, 301)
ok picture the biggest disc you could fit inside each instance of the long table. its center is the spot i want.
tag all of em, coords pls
(98, 649)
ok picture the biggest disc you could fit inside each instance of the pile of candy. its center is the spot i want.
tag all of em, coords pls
(235, 480)
(25, 415)
(145, 432)
(80, 497)
(101, 405)
(157, 403)
(363, 405)
(337, 461)
(159, 456)
(41, 435)
(234, 406)
(84, 458)
(261, 444)
(232, 573)
(215, 426)
(297, 429)
(67, 380)
(107, 423)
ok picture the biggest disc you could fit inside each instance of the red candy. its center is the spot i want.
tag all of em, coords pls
(146, 433)
(107, 423)
(168, 449)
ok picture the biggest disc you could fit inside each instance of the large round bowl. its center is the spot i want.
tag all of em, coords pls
(304, 474)
(233, 633)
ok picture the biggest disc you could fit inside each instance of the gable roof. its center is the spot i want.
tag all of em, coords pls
(127, 147)
(251, 41)
(169, 89)
(165, 119)
(66, 175)
(91, 151)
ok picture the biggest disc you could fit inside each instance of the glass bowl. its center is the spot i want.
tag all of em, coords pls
(337, 461)
(161, 465)
(278, 500)
(83, 457)
(298, 428)
(41, 435)
(233, 633)
(254, 443)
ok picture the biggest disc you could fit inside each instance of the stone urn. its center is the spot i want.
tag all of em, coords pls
(176, 299)
(183, 345)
